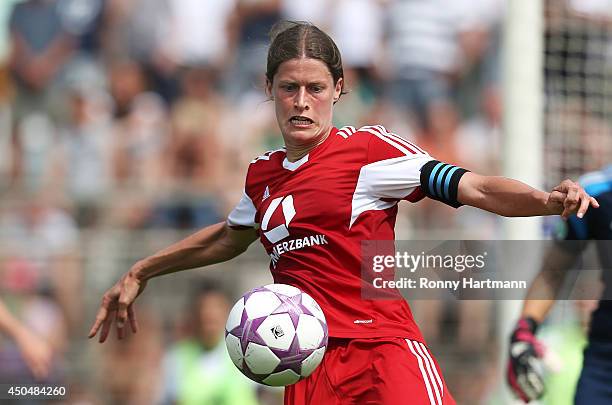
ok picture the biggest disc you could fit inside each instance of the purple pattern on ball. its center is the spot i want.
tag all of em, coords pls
(289, 359)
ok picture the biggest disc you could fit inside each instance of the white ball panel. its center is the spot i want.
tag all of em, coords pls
(285, 377)
(284, 289)
(312, 362)
(235, 316)
(277, 331)
(261, 303)
(234, 350)
(260, 359)
(313, 307)
(309, 332)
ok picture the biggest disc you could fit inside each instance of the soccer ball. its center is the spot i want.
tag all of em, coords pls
(276, 334)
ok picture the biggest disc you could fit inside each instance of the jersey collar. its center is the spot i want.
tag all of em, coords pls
(293, 166)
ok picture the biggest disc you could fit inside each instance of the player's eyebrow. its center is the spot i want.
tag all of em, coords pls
(297, 83)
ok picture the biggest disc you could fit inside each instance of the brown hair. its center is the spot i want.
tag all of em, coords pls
(296, 39)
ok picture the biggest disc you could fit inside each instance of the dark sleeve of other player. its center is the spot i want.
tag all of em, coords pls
(574, 234)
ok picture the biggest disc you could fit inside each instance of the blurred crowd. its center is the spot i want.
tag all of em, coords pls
(125, 124)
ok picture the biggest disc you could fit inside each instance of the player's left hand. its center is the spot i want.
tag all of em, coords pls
(569, 198)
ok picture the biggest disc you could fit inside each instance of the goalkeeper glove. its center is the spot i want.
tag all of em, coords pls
(524, 368)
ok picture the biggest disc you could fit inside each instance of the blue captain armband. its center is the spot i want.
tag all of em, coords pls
(440, 181)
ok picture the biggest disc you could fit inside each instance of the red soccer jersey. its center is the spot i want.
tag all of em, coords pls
(313, 215)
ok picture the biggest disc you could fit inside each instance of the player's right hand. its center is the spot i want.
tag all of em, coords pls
(524, 368)
(118, 305)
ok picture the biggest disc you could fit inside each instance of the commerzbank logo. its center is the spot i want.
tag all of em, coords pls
(277, 235)
(281, 231)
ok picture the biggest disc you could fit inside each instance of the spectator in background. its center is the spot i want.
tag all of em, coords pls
(426, 58)
(39, 239)
(33, 150)
(315, 11)
(138, 30)
(82, 165)
(139, 142)
(194, 152)
(194, 176)
(126, 81)
(6, 144)
(250, 24)
(35, 351)
(198, 33)
(361, 50)
(83, 20)
(40, 48)
(479, 138)
(197, 370)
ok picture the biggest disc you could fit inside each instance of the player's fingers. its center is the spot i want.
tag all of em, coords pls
(557, 197)
(570, 203)
(121, 313)
(100, 318)
(524, 388)
(566, 213)
(564, 186)
(594, 202)
(128, 295)
(585, 202)
(106, 326)
(525, 382)
(572, 197)
(132, 318)
(120, 331)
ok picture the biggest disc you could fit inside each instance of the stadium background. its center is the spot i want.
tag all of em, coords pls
(126, 124)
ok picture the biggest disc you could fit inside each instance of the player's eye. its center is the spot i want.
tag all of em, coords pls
(316, 88)
(288, 87)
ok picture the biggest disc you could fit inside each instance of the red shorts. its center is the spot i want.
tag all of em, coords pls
(388, 371)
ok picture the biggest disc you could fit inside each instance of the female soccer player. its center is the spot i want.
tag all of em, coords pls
(311, 204)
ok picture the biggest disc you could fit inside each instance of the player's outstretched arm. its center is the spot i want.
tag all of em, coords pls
(512, 198)
(213, 244)
(544, 289)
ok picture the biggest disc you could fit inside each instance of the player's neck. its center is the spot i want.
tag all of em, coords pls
(297, 151)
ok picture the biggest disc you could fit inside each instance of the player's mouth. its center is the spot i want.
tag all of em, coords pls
(299, 121)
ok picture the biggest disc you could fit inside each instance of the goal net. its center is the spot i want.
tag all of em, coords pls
(578, 86)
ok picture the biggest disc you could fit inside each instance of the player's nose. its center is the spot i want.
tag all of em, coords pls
(300, 102)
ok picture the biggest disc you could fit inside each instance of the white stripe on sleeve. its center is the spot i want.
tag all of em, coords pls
(244, 213)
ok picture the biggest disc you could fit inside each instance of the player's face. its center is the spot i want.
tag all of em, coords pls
(304, 93)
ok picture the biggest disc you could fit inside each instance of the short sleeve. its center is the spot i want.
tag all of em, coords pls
(397, 178)
(393, 166)
(243, 215)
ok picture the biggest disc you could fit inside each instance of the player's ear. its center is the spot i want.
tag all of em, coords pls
(269, 89)
(338, 89)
